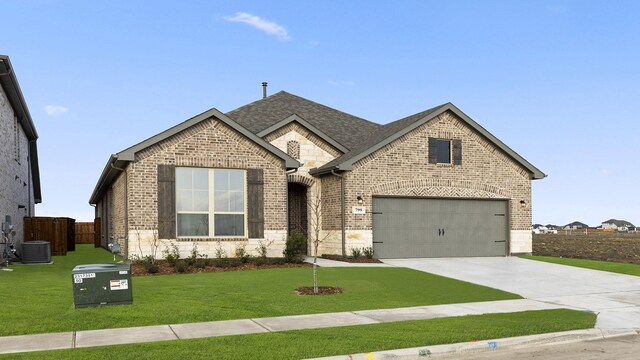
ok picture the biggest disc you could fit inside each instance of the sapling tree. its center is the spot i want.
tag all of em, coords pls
(315, 221)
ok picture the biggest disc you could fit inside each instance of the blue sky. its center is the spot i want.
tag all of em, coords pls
(557, 81)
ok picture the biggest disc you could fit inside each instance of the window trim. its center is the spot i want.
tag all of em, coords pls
(211, 212)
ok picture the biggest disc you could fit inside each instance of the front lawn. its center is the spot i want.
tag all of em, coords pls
(39, 299)
(616, 267)
(335, 341)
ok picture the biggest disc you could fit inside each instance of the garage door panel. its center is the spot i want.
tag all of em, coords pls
(418, 227)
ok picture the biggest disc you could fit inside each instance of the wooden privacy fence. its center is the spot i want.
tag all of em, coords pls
(60, 232)
(85, 233)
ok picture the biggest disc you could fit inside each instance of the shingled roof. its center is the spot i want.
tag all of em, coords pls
(392, 131)
(262, 114)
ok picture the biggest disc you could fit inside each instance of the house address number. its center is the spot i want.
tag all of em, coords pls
(358, 210)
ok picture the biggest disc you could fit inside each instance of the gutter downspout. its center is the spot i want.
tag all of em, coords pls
(342, 206)
(126, 206)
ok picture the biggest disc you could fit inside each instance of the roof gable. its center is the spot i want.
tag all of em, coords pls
(392, 131)
(264, 114)
(297, 119)
(117, 161)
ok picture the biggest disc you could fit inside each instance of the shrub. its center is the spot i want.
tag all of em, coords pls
(368, 252)
(221, 262)
(172, 254)
(356, 252)
(181, 267)
(295, 247)
(263, 248)
(149, 263)
(202, 262)
(241, 253)
(220, 253)
(191, 259)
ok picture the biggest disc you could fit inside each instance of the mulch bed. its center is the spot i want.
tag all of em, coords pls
(322, 290)
(350, 259)
(138, 269)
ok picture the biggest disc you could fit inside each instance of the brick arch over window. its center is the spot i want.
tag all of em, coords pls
(300, 179)
(440, 188)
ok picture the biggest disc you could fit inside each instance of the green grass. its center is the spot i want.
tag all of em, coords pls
(39, 299)
(616, 267)
(336, 341)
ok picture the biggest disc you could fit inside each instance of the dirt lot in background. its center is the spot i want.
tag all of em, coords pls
(608, 246)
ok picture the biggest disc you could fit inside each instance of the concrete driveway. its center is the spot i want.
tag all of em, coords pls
(615, 297)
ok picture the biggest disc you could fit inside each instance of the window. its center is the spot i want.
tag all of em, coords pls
(444, 151)
(210, 201)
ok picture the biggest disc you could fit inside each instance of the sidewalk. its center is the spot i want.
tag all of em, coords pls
(89, 338)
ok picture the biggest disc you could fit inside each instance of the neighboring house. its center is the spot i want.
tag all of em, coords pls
(620, 225)
(575, 225)
(432, 184)
(541, 229)
(19, 175)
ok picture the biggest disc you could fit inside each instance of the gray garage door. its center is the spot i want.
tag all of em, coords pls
(418, 227)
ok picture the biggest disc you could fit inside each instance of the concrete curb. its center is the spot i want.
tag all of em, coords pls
(447, 350)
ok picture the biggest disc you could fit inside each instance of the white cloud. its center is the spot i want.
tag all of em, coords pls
(55, 110)
(341, 83)
(257, 22)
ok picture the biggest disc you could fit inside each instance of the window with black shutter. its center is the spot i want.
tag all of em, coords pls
(445, 151)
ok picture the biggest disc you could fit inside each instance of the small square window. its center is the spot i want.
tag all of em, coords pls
(444, 151)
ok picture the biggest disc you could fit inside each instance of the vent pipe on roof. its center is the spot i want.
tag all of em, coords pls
(264, 89)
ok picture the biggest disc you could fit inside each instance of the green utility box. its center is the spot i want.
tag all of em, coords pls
(101, 284)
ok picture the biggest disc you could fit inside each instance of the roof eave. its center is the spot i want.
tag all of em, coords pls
(536, 174)
(106, 177)
(9, 83)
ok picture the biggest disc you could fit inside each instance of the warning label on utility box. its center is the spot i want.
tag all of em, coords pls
(119, 284)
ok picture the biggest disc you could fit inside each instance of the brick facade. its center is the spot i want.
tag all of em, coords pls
(401, 168)
(16, 188)
(211, 144)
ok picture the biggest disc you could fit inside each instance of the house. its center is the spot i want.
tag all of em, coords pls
(575, 225)
(619, 225)
(20, 175)
(541, 229)
(433, 184)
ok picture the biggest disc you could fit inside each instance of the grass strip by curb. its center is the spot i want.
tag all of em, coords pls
(610, 266)
(335, 341)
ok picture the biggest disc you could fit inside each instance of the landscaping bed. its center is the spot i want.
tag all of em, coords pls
(605, 246)
(162, 267)
(350, 259)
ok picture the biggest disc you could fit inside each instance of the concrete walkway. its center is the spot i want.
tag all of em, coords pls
(615, 297)
(79, 339)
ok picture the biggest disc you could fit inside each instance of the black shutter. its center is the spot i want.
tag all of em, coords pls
(457, 152)
(433, 150)
(166, 201)
(255, 196)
